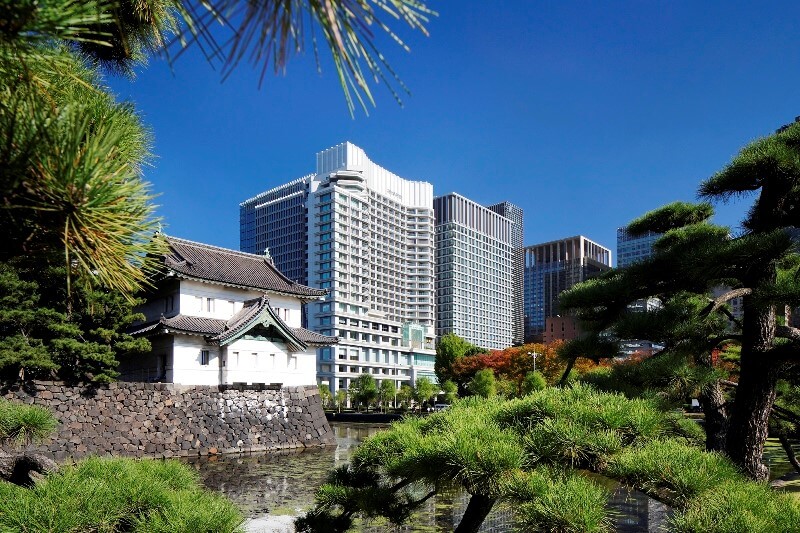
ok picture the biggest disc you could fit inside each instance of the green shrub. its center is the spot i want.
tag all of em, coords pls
(533, 381)
(633, 420)
(565, 442)
(739, 507)
(686, 428)
(110, 495)
(554, 500)
(22, 424)
(684, 470)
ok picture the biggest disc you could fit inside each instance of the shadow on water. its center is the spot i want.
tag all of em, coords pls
(271, 488)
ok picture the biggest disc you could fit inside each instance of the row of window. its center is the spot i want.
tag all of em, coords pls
(254, 360)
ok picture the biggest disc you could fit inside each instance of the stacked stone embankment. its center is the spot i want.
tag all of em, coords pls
(165, 420)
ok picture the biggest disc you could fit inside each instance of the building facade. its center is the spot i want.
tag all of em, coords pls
(515, 214)
(222, 317)
(276, 220)
(550, 269)
(368, 239)
(473, 272)
(631, 249)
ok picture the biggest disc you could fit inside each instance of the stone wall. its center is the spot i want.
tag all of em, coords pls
(164, 420)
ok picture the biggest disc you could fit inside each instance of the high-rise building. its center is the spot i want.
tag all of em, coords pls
(515, 214)
(474, 260)
(553, 267)
(367, 235)
(275, 220)
(632, 249)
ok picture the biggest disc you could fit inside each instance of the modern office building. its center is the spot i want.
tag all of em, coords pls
(275, 220)
(474, 263)
(632, 249)
(367, 235)
(515, 214)
(550, 269)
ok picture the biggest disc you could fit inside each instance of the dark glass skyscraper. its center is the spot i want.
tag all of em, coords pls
(277, 220)
(553, 267)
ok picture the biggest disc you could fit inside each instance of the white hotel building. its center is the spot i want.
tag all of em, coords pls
(366, 235)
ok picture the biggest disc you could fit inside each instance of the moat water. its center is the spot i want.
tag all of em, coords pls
(273, 488)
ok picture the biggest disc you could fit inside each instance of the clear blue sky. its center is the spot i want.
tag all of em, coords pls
(584, 114)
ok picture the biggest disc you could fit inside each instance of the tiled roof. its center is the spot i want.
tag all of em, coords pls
(211, 263)
(253, 312)
(241, 320)
(312, 337)
(184, 323)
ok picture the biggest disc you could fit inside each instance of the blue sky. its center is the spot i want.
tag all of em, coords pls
(584, 114)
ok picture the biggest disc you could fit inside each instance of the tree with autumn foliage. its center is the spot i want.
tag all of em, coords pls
(515, 363)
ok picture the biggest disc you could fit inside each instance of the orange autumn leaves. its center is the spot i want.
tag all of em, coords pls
(513, 364)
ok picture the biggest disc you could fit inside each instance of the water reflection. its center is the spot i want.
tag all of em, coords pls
(271, 487)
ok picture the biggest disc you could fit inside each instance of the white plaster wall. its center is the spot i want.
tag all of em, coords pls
(227, 300)
(270, 364)
(289, 309)
(156, 305)
(186, 367)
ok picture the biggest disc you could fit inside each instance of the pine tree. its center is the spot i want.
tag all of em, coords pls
(693, 257)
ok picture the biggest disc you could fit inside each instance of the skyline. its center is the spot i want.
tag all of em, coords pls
(586, 117)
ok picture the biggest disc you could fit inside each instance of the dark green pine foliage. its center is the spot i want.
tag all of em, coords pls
(40, 338)
(695, 256)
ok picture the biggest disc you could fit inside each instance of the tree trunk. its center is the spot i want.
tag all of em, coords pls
(713, 402)
(478, 508)
(565, 376)
(21, 469)
(748, 425)
(787, 447)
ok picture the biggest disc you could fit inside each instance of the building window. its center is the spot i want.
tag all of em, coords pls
(210, 305)
(169, 304)
(204, 357)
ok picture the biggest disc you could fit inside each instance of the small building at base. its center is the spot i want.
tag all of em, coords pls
(222, 317)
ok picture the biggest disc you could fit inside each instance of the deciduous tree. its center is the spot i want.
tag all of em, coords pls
(424, 390)
(483, 384)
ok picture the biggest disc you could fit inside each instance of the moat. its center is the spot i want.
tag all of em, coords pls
(271, 489)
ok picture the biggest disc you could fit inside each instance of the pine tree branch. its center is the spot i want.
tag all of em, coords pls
(716, 341)
(787, 447)
(719, 301)
(400, 485)
(777, 410)
(787, 332)
(730, 316)
(427, 497)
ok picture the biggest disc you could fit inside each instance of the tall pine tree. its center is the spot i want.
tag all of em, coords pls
(694, 256)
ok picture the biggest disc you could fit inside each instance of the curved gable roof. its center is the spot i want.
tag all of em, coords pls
(230, 267)
(254, 312)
